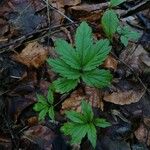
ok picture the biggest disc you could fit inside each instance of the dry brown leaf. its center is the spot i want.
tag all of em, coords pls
(33, 55)
(71, 2)
(40, 135)
(143, 135)
(124, 97)
(110, 63)
(90, 12)
(131, 56)
(92, 95)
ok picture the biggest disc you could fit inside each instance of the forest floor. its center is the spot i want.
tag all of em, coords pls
(28, 31)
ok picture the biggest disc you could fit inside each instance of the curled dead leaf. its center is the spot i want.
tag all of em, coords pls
(33, 55)
(110, 63)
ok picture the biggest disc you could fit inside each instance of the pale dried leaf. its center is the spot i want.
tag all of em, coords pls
(124, 97)
(33, 55)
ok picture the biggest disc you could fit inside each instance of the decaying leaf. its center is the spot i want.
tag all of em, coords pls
(87, 11)
(124, 93)
(143, 134)
(71, 2)
(131, 56)
(110, 63)
(40, 135)
(93, 95)
(124, 97)
(33, 55)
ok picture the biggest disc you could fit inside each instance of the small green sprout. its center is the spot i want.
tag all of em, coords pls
(45, 105)
(82, 124)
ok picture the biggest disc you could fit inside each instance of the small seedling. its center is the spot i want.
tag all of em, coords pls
(111, 25)
(127, 34)
(82, 124)
(45, 105)
(80, 63)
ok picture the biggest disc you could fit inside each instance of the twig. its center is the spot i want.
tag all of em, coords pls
(144, 86)
(142, 6)
(58, 11)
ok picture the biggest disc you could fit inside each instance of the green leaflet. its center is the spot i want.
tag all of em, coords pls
(67, 53)
(116, 2)
(100, 122)
(97, 78)
(92, 134)
(50, 96)
(75, 116)
(97, 55)
(87, 111)
(83, 41)
(110, 23)
(51, 113)
(63, 85)
(63, 69)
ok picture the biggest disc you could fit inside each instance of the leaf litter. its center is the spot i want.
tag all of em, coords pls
(23, 73)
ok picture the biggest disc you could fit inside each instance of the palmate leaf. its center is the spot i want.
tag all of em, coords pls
(97, 78)
(63, 69)
(63, 85)
(67, 53)
(83, 42)
(97, 55)
(110, 23)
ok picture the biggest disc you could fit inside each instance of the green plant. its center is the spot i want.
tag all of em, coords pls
(45, 105)
(110, 23)
(127, 34)
(80, 63)
(82, 124)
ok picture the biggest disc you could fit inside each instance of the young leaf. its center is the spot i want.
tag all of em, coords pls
(67, 53)
(127, 34)
(124, 40)
(97, 78)
(63, 69)
(43, 113)
(110, 23)
(63, 85)
(75, 116)
(116, 2)
(38, 107)
(79, 134)
(92, 134)
(83, 41)
(101, 123)
(41, 99)
(97, 55)
(51, 112)
(50, 96)
(87, 111)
